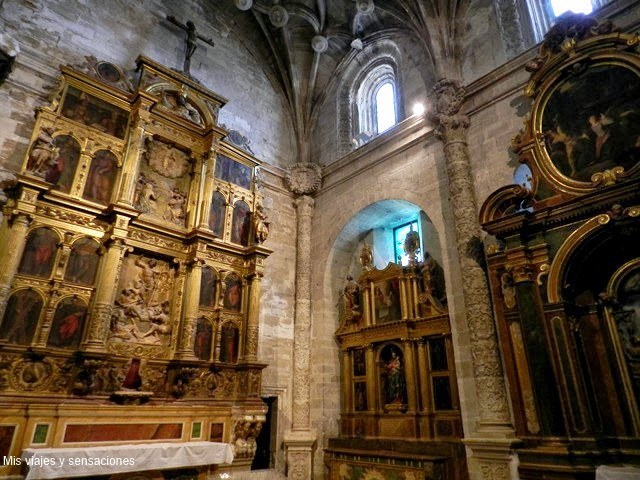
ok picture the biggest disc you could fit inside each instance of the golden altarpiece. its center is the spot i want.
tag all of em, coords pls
(400, 413)
(130, 272)
(565, 273)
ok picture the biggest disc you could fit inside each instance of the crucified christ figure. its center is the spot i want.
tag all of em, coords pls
(191, 40)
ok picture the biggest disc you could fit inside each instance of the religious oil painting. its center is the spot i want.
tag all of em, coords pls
(208, 287)
(163, 183)
(83, 262)
(63, 167)
(591, 122)
(204, 337)
(229, 343)
(93, 112)
(6, 438)
(241, 223)
(142, 310)
(393, 376)
(232, 298)
(442, 399)
(21, 317)
(217, 214)
(359, 363)
(39, 253)
(68, 322)
(101, 178)
(386, 298)
(360, 396)
(234, 172)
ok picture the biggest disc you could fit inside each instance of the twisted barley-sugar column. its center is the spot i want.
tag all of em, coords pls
(452, 128)
(303, 179)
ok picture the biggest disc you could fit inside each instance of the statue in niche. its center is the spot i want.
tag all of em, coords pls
(43, 153)
(351, 298)
(626, 312)
(142, 312)
(260, 227)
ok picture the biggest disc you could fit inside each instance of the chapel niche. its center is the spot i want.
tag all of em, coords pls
(398, 380)
(563, 267)
(133, 249)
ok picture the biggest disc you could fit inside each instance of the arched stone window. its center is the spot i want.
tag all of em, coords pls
(376, 101)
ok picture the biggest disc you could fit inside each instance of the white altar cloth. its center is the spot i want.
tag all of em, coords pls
(109, 459)
(608, 472)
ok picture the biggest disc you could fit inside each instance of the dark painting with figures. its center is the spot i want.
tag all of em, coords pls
(102, 177)
(232, 298)
(240, 223)
(21, 317)
(204, 335)
(386, 299)
(63, 167)
(217, 213)
(231, 171)
(208, 287)
(229, 343)
(591, 122)
(66, 329)
(39, 253)
(95, 113)
(83, 261)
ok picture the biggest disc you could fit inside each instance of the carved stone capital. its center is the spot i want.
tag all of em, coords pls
(304, 178)
(449, 96)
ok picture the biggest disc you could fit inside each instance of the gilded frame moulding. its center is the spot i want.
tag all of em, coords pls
(578, 151)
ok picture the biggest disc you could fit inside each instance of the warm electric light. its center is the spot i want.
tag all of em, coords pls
(418, 109)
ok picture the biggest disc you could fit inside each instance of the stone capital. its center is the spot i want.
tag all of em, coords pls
(451, 124)
(304, 178)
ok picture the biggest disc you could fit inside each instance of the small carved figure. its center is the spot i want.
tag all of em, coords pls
(43, 153)
(366, 257)
(351, 294)
(146, 196)
(261, 228)
(175, 207)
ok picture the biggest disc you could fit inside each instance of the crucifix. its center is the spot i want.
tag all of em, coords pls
(191, 40)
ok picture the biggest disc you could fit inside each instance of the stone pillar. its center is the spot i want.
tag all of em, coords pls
(303, 180)
(12, 246)
(494, 432)
(253, 320)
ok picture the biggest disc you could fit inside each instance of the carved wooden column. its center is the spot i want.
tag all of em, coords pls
(253, 320)
(373, 402)
(303, 180)
(410, 374)
(190, 307)
(12, 246)
(493, 409)
(107, 288)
